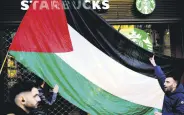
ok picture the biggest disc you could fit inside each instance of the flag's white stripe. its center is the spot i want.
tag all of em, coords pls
(110, 75)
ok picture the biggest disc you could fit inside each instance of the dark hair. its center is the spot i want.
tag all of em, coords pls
(19, 87)
(39, 82)
(176, 76)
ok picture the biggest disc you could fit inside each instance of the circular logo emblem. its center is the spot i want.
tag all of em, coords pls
(145, 6)
(182, 102)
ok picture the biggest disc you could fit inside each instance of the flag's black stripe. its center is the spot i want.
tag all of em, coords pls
(107, 39)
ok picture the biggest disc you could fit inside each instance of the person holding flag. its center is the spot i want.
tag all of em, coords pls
(174, 92)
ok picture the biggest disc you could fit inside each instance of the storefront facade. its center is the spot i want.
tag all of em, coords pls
(160, 19)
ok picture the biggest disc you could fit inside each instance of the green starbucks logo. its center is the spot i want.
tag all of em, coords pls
(145, 6)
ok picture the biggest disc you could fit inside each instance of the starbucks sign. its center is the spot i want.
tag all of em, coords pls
(145, 6)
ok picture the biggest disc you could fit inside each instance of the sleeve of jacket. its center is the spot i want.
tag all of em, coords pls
(180, 106)
(172, 114)
(53, 98)
(168, 114)
(49, 101)
(44, 99)
(160, 76)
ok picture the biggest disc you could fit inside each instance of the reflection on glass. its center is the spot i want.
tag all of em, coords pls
(159, 36)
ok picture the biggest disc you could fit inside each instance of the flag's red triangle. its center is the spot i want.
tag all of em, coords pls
(43, 29)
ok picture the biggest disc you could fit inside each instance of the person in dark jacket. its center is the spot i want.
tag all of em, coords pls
(47, 96)
(44, 89)
(174, 92)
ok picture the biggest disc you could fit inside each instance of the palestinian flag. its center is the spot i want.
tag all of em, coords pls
(97, 68)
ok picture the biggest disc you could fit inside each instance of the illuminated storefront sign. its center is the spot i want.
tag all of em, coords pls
(145, 6)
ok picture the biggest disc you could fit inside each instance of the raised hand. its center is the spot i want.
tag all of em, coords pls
(152, 60)
(56, 89)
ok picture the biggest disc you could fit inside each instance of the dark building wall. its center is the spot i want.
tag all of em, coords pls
(181, 9)
(11, 11)
(125, 11)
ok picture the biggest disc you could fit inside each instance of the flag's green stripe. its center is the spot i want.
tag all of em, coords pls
(76, 88)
